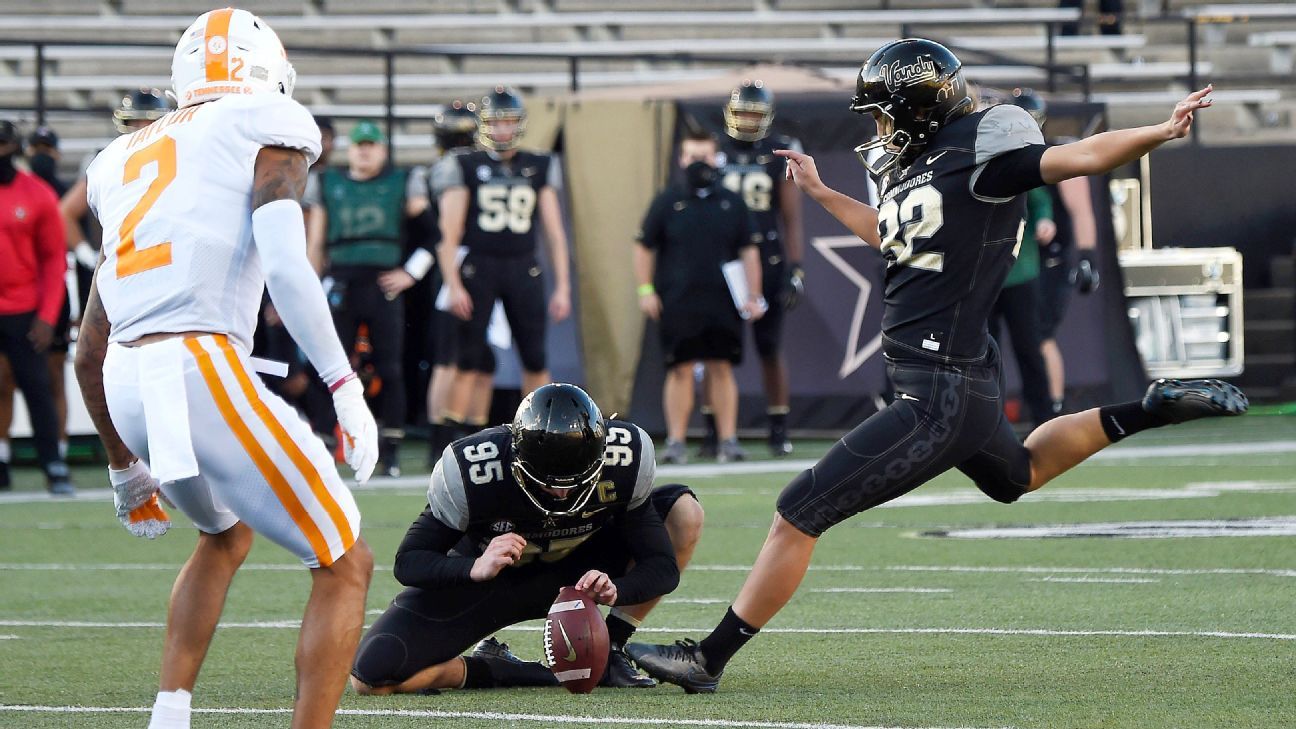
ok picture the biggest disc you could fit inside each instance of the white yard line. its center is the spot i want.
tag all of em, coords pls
(1103, 580)
(486, 715)
(1048, 632)
(9, 637)
(915, 590)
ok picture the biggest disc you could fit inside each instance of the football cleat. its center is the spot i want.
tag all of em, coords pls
(730, 451)
(621, 673)
(674, 452)
(681, 663)
(493, 648)
(1178, 401)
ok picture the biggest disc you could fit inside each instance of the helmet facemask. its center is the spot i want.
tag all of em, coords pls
(572, 493)
(895, 142)
(486, 136)
(744, 128)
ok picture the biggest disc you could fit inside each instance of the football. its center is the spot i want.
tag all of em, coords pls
(576, 641)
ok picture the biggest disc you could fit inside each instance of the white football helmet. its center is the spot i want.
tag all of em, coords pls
(229, 51)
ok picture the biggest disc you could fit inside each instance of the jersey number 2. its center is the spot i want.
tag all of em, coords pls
(130, 259)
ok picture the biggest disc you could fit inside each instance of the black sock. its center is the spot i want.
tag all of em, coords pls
(777, 423)
(1126, 419)
(726, 640)
(477, 673)
(619, 630)
(709, 436)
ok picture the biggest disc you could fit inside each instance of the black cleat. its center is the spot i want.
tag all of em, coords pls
(1178, 401)
(621, 673)
(5, 483)
(492, 648)
(681, 664)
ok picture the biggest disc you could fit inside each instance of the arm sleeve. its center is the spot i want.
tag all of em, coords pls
(423, 558)
(278, 121)
(650, 231)
(446, 497)
(446, 173)
(654, 572)
(51, 248)
(1009, 146)
(554, 178)
(280, 235)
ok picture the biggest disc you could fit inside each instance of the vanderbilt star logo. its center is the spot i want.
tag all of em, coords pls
(855, 354)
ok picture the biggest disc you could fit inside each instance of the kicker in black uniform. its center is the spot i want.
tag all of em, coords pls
(949, 226)
(560, 497)
(753, 170)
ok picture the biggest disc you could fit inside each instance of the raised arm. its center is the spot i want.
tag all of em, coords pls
(859, 218)
(1105, 152)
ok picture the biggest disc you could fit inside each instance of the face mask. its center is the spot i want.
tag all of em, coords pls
(699, 175)
(7, 170)
(43, 166)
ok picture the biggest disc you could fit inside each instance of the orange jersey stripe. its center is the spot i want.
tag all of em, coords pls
(216, 44)
(299, 459)
(268, 470)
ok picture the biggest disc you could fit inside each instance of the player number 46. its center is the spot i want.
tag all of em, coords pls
(486, 467)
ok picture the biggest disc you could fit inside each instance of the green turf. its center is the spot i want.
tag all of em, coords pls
(867, 679)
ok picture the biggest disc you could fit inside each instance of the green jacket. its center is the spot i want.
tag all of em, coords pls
(1039, 206)
(364, 217)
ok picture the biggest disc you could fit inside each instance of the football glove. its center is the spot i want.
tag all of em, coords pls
(135, 496)
(359, 431)
(794, 289)
(1085, 276)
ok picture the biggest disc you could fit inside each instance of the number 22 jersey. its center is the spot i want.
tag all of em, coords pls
(175, 203)
(951, 224)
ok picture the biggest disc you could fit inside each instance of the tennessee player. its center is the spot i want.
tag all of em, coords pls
(200, 213)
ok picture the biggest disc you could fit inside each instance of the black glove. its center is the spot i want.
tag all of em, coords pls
(794, 289)
(1085, 277)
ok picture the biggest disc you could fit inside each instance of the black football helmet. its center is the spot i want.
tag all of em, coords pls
(913, 88)
(140, 105)
(455, 125)
(558, 442)
(1032, 103)
(501, 104)
(751, 96)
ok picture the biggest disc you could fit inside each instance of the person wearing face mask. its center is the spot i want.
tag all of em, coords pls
(31, 293)
(43, 157)
(689, 233)
(361, 220)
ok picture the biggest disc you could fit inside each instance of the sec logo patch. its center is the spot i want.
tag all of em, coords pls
(216, 44)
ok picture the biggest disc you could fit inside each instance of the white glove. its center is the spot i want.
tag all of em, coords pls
(135, 495)
(359, 431)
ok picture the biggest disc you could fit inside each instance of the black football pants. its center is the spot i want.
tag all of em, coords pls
(943, 417)
(360, 301)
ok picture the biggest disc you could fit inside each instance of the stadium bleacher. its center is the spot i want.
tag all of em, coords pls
(637, 43)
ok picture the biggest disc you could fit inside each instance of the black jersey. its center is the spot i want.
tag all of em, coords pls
(752, 170)
(951, 224)
(473, 491)
(503, 197)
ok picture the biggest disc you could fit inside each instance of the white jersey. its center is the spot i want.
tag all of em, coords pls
(175, 202)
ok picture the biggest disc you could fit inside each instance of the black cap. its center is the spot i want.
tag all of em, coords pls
(8, 131)
(325, 123)
(44, 135)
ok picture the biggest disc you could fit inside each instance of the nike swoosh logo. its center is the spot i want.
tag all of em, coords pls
(1116, 425)
(571, 650)
(935, 157)
(904, 396)
(588, 514)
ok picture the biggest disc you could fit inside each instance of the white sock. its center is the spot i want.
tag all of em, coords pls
(171, 710)
(63, 449)
(4, 450)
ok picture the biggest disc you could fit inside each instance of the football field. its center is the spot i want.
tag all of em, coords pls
(1152, 587)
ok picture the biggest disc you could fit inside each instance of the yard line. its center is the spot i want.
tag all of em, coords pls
(1085, 570)
(916, 590)
(1046, 632)
(1087, 580)
(487, 715)
(8, 637)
